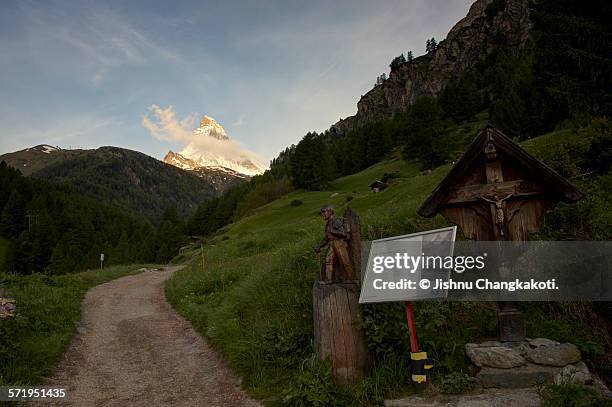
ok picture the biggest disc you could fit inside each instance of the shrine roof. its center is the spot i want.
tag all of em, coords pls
(555, 183)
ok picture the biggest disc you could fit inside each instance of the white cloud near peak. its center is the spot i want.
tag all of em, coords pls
(166, 126)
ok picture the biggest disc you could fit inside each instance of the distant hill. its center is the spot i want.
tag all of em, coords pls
(33, 159)
(119, 176)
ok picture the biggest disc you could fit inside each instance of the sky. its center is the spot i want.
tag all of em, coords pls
(94, 73)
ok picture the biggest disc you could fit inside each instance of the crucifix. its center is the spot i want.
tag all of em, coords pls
(499, 192)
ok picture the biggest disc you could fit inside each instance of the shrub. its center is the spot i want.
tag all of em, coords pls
(390, 175)
(296, 202)
(456, 383)
(263, 193)
(314, 387)
(572, 396)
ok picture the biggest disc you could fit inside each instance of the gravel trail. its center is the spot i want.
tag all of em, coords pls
(133, 349)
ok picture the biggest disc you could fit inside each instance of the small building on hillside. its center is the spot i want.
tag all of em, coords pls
(377, 186)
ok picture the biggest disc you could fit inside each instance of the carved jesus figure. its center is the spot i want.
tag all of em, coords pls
(500, 217)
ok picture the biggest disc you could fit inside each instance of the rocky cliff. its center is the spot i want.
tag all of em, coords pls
(488, 24)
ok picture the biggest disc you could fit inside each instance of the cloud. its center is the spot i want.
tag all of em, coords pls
(165, 126)
(90, 41)
(240, 122)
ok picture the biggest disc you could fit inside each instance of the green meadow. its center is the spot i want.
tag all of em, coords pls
(252, 296)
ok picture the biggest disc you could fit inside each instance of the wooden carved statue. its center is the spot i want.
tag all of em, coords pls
(336, 239)
(338, 328)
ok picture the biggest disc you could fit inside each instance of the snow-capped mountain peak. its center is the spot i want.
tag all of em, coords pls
(212, 149)
(210, 127)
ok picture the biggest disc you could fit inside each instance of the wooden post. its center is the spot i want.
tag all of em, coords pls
(338, 330)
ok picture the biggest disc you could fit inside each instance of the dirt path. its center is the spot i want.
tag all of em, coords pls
(133, 349)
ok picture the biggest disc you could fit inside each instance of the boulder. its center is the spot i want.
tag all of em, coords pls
(494, 356)
(523, 376)
(557, 354)
(537, 342)
(574, 374)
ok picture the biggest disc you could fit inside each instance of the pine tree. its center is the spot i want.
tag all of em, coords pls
(13, 220)
(397, 62)
(122, 250)
(312, 165)
(431, 45)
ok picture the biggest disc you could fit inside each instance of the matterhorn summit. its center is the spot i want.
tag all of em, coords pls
(211, 152)
(210, 127)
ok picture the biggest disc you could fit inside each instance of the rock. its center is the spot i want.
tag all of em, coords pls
(467, 43)
(600, 387)
(537, 342)
(520, 347)
(523, 376)
(490, 343)
(522, 398)
(574, 374)
(413, 401)
(488, 398)
(494, 356)
(560, 354)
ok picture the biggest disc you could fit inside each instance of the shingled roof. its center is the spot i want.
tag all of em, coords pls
(554, 182)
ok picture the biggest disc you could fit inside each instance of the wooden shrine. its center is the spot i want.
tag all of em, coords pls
(498, 191)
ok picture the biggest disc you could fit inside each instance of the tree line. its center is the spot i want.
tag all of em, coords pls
(45, 228)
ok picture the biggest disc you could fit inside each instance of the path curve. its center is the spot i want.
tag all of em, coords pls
(132, 348)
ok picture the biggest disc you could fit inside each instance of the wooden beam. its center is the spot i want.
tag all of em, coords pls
(474, 193)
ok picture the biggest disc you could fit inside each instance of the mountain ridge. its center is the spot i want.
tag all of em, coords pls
(117, 175)
(487, 25)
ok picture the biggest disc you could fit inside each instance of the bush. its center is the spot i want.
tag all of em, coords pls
(263, 193)
(457, 383)
(494, 8)
(296, 202)
(390, 175)
(572, 396)
(314, 387)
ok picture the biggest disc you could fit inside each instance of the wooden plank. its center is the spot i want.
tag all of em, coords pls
(344, 333)
(473, 193)
(339, 351)
(353, 337)
(316, 318)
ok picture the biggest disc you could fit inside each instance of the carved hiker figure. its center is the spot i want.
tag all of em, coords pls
(337, 234)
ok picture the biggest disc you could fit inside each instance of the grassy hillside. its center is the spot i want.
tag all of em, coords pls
(253, 297)
(48, 310)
